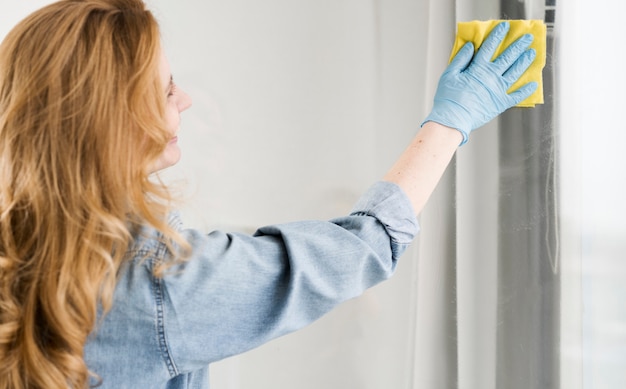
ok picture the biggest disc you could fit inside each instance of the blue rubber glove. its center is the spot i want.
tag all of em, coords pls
(471, 94)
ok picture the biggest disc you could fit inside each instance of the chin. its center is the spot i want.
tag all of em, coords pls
(169, 158)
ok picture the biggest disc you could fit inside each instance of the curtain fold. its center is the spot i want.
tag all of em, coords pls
(435, 364)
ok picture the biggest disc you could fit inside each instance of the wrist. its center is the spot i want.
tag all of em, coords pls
(451, 115)
(446, 130)
(443, 134)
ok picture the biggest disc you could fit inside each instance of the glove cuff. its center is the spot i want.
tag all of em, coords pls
(448, 122)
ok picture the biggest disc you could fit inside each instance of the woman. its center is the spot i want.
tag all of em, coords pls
(99, 283)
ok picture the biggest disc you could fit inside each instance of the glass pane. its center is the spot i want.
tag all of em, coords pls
(528, 258)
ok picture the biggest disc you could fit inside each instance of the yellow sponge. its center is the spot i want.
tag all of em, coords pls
(477, 31)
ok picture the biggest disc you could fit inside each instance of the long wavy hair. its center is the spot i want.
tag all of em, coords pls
(82, 119)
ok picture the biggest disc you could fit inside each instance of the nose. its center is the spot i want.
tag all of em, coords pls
(184, 101)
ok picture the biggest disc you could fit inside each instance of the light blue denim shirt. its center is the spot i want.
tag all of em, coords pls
(237, 291)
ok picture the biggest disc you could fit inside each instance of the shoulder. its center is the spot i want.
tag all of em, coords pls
(148, 244)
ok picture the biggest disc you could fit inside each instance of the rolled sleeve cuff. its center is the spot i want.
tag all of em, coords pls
(388, 203)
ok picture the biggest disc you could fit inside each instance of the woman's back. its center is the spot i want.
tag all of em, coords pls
(81, 119)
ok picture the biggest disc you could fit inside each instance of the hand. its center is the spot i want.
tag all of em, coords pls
(468, 96)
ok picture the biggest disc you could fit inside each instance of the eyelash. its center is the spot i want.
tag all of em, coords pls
(172, 90)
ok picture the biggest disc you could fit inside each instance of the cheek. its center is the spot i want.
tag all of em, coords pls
(172, 117)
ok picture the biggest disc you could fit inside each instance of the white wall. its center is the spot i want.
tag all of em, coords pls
(299, 106)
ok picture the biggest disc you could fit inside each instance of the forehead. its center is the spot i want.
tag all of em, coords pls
(164, 70)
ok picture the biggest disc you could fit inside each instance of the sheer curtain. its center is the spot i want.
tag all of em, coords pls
(509, 273)
(540, 237)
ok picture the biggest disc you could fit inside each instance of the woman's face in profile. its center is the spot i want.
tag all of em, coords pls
(177, 102)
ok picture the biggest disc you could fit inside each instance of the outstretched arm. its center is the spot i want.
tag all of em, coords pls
(471, 92)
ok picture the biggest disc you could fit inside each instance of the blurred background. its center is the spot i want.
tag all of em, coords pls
(518, 278)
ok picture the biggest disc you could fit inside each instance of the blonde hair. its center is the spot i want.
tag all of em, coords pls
(82, 118)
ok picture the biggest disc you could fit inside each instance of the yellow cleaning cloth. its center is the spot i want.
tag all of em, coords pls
(477, 31)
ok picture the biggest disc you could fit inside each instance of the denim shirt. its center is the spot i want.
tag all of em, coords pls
(238, 291)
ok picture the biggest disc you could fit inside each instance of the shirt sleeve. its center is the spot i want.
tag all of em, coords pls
(239, 291)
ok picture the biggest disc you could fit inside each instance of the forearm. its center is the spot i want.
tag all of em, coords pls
(420, 167)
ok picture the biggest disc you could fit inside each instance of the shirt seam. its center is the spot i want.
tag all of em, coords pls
(160, 323)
